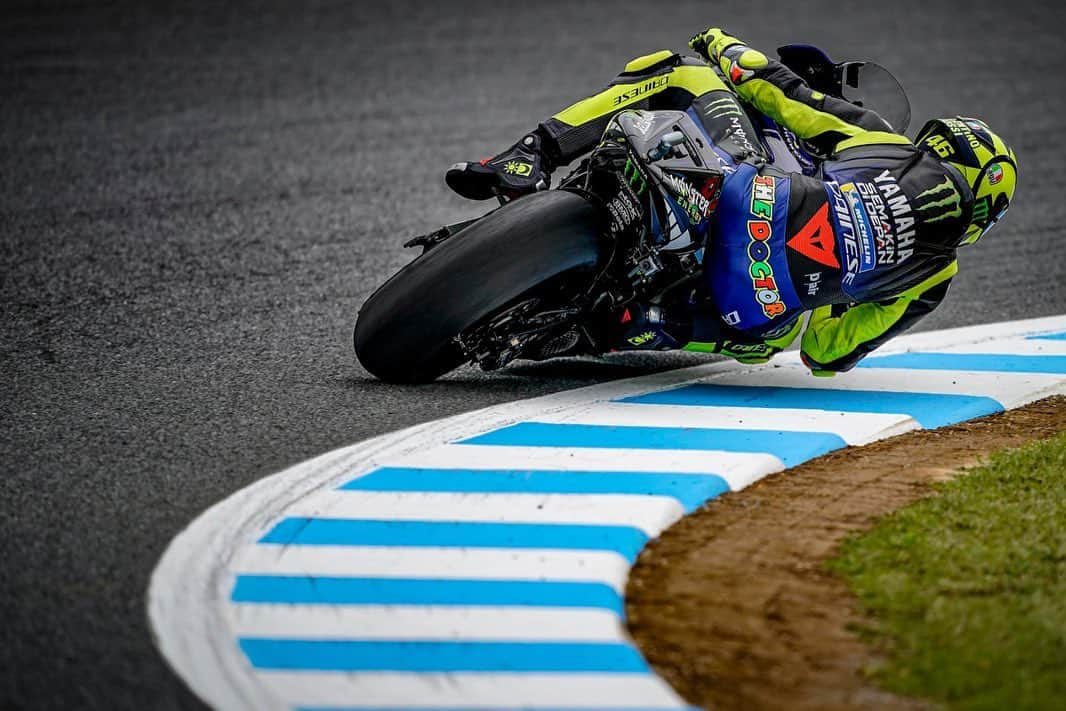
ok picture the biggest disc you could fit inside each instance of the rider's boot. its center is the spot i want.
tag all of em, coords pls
(523, 168)
(648, 328)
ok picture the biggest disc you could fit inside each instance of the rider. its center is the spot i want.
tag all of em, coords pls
(867, 245)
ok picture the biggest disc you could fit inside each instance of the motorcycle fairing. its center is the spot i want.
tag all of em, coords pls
(688, 178)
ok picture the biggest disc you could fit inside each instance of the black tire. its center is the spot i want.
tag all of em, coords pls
(405, 330)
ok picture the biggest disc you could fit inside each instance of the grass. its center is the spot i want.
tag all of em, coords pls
(967, 588)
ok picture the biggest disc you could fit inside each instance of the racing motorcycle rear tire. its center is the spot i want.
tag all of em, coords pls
(405, 332)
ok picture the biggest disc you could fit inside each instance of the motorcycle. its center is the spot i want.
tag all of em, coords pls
(536, 277)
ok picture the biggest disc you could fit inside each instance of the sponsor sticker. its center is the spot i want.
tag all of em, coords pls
(767, 294)
(623, 211)
(762, 196)
(641, 90)
(940, 202)
(876, 223)
(864, 231)
(995, 174)
(982, 208)
(712, 190)
(692, 201)
(515, 167)
(969, 132)
(641, 123)
(847, 233)
(643, 338)
(896, 243)
(726, 114)
(812, 282)
(735, 349)
(815, 240)
(634, 176)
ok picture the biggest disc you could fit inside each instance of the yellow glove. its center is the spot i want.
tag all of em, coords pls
(738, 61)
(709, 44)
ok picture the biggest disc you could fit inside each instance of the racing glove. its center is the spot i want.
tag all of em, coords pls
(710, 43)
(738, 61)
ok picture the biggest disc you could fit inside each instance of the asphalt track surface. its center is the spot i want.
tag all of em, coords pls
(195, 200)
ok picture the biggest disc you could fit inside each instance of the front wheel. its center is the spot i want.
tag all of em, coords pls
(406, 330)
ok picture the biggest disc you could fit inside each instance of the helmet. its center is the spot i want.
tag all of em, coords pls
(986, 163)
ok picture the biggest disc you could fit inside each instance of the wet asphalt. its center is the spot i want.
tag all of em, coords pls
(196, 197)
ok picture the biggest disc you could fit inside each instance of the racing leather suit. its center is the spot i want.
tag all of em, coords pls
(867, 245)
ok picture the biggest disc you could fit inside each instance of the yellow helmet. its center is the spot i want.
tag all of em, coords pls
(983, 159)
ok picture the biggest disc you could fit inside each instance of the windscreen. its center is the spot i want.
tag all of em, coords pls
(873, 87)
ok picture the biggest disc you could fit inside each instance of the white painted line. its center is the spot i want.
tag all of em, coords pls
(512, 691)
(729, 465)
(852, 427)
(425, 622)
(605, 567)
(1010, 389)
(648, 513)
(982, 333)
(1012, 346)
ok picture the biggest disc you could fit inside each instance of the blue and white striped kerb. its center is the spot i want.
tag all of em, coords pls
(479, 562)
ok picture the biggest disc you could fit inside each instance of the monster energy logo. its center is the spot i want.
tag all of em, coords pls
(726, 106)
(941, 197)
(633, 175)
(981, 210)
